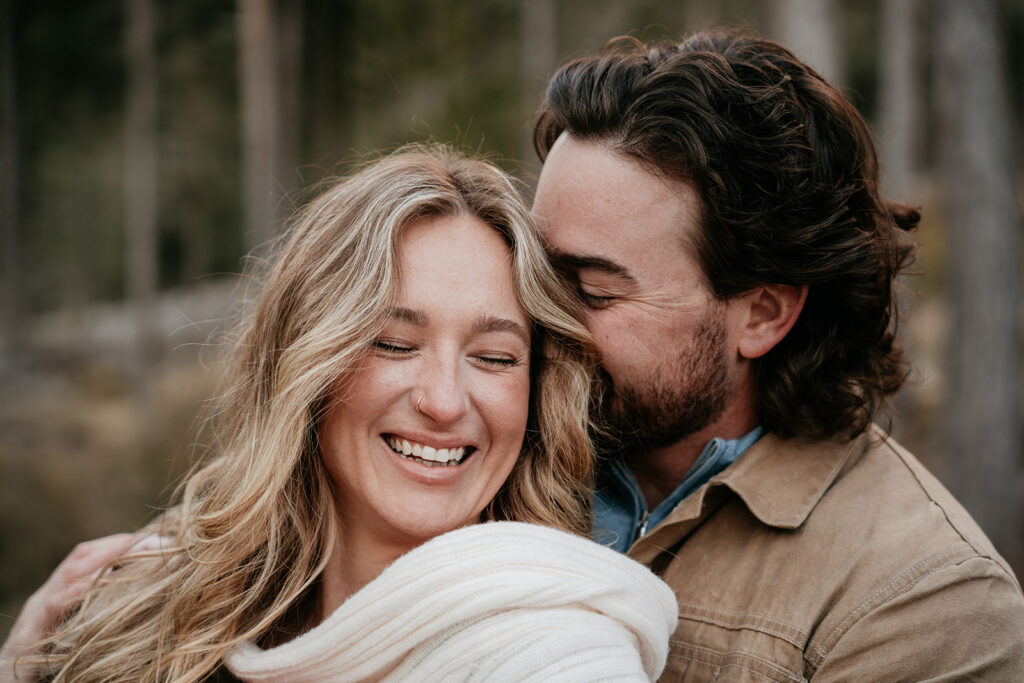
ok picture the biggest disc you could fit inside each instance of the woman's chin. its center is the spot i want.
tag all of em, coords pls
(418, 527)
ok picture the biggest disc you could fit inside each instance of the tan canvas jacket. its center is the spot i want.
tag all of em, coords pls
(834, 561)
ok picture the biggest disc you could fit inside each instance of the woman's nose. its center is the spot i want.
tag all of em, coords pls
(443, 397)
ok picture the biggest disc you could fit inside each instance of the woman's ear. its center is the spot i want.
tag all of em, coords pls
(771, 311)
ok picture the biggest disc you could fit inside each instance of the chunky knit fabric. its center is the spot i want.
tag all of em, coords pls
(501, 601)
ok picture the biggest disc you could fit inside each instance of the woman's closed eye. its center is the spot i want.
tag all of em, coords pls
(393, 347)
(497, 360)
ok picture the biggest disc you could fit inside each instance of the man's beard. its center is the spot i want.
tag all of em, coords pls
(672, 401)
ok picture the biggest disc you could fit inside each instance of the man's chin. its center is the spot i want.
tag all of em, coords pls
(628, 433)
(634, 431)
(614, 438)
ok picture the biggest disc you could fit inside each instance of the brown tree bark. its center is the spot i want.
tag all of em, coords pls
(898, 116)
(810, 30)
(11, 310)
(142, 177)
(539, 42)
(270, 41)
(982, 442)
(898, 123)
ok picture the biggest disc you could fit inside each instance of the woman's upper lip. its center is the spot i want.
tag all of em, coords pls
(433, 441)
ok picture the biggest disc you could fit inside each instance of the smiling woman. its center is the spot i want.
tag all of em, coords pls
(412, 367)
(448, 383)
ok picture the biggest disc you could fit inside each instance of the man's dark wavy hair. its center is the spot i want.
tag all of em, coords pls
(788, 176)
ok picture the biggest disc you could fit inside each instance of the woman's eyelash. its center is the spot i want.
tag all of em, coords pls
(399, 348)
(500, 361)
(391, 347)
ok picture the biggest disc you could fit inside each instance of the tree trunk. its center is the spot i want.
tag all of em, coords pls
(10, 323)
(898, 119)
(260, 116)
(270, 47)
(142, 178)
(898, 123)
(539, 58)
(289, 74)
(982, 441)
(809, 29)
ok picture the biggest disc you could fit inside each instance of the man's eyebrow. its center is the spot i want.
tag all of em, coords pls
(407, 315)
(490, 323)
(564, 261)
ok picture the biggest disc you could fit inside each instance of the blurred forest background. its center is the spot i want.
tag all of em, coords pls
(148, 146)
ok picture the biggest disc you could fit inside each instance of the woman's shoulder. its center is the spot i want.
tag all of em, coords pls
(518, 546)
(500, 594)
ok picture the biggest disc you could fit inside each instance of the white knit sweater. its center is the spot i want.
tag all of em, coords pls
(502, 601)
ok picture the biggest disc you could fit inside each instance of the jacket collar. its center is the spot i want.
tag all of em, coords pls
(779, 480)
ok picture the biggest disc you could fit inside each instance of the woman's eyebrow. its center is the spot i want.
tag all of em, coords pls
(407, 315)
(490, 323)
(484, 323)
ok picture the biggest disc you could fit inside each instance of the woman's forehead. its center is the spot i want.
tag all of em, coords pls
(457, 266)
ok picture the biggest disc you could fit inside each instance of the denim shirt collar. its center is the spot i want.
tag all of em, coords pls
(620, 511)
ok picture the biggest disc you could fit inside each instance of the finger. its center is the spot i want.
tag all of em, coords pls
(153, 542)
(89, 557)
(87, 562)
(72, 578)
(62, 589)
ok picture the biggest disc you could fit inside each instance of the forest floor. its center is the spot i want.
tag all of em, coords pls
(88, 446)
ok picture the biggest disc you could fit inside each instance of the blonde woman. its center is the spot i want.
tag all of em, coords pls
(412, 367)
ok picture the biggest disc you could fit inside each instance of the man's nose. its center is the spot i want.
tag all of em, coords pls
(444, 396)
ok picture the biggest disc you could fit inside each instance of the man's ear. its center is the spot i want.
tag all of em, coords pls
(771, 311)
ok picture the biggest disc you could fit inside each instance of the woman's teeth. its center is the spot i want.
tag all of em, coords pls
(428, 455)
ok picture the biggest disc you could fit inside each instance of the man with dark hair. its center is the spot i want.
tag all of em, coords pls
(716, 205)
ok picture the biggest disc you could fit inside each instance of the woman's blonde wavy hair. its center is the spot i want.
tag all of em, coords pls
(255, 525)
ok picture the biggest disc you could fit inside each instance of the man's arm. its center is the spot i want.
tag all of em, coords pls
(961, 622)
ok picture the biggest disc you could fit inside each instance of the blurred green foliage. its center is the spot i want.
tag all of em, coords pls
(374, 74)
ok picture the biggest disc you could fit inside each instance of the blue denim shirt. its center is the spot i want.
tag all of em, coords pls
(620, 511)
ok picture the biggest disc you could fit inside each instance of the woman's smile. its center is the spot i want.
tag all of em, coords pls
(426, 454)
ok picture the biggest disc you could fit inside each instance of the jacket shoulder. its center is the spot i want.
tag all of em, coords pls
(920, 567)
(904, 511)
(886, 572)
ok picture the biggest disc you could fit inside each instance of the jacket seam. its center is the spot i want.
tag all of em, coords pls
(710, 658)
(898, 586)
(787, 632)
(945, 515)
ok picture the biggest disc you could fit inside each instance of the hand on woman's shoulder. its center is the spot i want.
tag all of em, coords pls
(61, 592)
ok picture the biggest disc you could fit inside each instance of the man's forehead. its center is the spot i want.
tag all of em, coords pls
(589, 239)
(588, 186)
